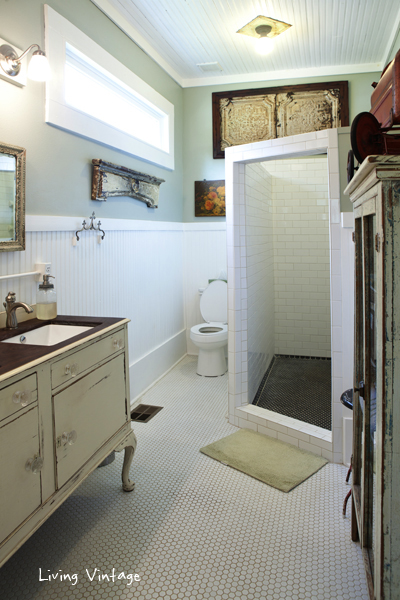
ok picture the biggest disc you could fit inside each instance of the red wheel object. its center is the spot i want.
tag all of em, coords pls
(366, 136)
(350, 166)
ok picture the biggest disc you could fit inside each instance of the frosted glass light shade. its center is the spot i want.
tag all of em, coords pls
(264, 45)
(38, 68)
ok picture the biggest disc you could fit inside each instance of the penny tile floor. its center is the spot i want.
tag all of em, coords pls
(193, 528)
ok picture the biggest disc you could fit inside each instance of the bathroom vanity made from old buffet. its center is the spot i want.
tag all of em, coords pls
(375, 193)
(63, 410)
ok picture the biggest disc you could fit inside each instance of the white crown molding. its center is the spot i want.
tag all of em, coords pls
(291, 74)
(391, 40)
(123, 24)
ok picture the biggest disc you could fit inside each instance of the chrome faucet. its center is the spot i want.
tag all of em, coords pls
(11, 305)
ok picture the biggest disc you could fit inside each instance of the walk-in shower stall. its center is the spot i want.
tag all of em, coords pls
(289, 262)
(288, 287)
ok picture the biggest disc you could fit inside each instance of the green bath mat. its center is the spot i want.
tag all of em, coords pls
(276, 463)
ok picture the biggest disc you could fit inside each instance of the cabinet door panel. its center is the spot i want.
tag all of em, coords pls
(95, 408)
(19, 489)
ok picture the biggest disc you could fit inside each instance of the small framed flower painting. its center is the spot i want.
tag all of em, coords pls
(209, 198)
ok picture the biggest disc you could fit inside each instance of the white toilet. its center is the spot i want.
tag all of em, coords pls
(211, 337)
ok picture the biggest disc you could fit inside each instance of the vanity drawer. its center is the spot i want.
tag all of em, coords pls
(87, 414)
(73, 365)
(18, 395)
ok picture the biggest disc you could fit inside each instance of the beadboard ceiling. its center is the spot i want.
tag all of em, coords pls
(327, 37)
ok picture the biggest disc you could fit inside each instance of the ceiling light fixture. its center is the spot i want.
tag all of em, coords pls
(10, 62)
(264, 43)
(264, 29)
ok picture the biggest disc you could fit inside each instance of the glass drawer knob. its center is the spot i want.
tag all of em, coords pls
(71, 369)
(34, 465)
(23, 398)
(69, 438)
(118, 344)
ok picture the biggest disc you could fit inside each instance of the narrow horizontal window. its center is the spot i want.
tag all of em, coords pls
(91, 90)
(93, 95)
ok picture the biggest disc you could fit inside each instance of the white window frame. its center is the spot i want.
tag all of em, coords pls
(58, 33)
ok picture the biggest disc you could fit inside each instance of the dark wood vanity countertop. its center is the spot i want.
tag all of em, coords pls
(14, 356)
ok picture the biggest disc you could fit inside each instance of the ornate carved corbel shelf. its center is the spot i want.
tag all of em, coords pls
(111, 180)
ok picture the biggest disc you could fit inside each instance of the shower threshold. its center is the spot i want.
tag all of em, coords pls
(299, 388)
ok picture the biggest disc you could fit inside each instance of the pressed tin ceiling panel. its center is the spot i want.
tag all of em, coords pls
(327, 36)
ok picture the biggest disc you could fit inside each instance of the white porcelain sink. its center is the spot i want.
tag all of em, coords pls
(48, 335)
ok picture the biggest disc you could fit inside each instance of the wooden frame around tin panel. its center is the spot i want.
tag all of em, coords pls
(341, 86)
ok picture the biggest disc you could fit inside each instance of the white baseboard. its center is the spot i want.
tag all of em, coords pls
(146, 371)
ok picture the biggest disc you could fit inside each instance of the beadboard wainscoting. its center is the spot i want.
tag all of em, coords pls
(136, 272)
(149, 272)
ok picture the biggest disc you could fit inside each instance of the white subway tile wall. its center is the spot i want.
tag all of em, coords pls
(236, 157)
(260, 274)
(300, 206)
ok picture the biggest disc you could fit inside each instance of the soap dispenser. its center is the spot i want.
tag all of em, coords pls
(46, 300)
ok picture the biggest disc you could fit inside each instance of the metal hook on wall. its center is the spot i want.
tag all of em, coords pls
(90, 227)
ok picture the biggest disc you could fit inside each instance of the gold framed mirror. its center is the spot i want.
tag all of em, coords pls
(12, 198)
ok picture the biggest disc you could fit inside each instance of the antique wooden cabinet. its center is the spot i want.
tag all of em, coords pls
(63, 410)
(375, 193)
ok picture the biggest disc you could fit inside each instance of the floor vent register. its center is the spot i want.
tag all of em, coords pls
(144, 412)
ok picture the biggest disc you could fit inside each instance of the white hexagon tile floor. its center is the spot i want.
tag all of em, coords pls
(193, 528)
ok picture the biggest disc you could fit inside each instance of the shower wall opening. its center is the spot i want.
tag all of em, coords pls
(251, 257)
(288, 292)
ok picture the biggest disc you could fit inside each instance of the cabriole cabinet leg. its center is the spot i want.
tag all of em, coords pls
(129, 445)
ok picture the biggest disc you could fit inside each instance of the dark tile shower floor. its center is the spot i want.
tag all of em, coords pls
(298, 387)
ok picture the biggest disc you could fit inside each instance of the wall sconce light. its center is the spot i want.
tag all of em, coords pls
(264, 29)
(10, 62)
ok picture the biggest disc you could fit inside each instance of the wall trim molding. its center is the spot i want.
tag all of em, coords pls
(136, 401)
(292, 74)
(61, 223)
(149, 369)
(207, 226)
(347, 220)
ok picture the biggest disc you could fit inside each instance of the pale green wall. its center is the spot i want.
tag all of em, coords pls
(198, 161)
(58, 163)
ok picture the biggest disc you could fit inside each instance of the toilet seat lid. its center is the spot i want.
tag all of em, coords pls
(214, 302)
